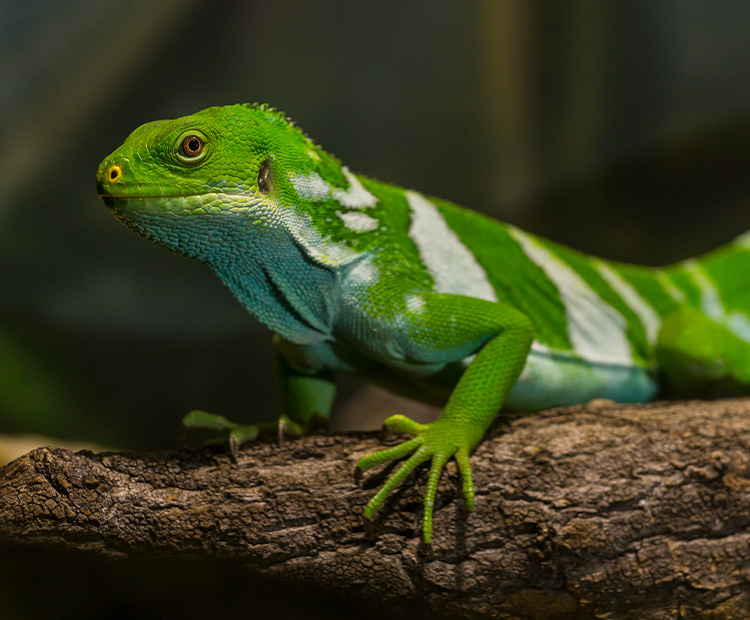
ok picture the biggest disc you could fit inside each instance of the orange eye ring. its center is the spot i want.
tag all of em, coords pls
(191, 146)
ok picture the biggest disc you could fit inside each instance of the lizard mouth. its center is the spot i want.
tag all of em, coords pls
(133, 191)
(121, 198)
(151, 191)
(205, 204)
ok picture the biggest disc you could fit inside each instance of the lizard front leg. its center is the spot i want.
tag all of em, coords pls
(306, 390)
(443, 327)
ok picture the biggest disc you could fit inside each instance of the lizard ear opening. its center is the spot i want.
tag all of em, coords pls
(264, 177)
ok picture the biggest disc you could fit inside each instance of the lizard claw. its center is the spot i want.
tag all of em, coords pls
(367, 525)
(233, 434)
(233, 448)
(358, 473)
(281, 428)
(182, 432)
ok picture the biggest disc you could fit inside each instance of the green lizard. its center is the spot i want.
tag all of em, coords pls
(417, 294)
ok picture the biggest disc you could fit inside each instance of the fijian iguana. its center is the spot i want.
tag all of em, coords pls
(417, 294)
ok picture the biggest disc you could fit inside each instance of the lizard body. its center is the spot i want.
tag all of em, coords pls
(417, 294)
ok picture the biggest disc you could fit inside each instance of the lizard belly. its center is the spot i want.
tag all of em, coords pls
(551, 379)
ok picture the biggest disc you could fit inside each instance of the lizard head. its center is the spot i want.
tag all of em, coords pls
(192, 182)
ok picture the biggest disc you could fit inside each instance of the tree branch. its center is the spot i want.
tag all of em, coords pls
(634, 511)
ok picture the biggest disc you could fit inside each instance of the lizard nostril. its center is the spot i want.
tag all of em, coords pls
(114, 173)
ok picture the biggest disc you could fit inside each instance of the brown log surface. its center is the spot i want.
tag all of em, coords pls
(637, 511)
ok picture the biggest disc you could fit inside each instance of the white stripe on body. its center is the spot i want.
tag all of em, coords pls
(712, 306)
(549, 378)
(710, 301)
(670, 287)
(649, 318)
(596, 330)
(355, 196)
(358, 221)
(451, 264)
(310, 186)
(315, 188)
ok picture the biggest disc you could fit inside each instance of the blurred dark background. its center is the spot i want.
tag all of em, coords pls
(620, 128)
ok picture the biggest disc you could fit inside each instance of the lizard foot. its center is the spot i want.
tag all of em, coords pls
(234, 434)
(237, 434)
(437, 442)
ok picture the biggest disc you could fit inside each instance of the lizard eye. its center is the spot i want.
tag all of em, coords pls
(191, 146)
(264, 178)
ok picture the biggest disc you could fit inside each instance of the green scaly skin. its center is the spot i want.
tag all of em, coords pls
(418, 295)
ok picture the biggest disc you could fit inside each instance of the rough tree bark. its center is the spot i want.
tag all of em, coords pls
(632, 511)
